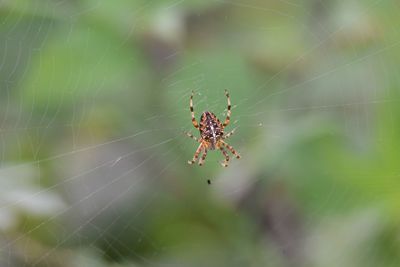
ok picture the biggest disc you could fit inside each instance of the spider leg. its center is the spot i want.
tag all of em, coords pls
(229, 134)
(226, 161)
(195, 123)
(203, 158)
(231, 149)
(228, 114)
(192, 136)
(196, 154)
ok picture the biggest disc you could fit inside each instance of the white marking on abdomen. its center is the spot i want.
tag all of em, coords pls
(213, 132)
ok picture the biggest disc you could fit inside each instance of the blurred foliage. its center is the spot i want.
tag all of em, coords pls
(94, 106)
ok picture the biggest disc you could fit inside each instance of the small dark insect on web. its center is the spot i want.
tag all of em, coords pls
(209, 181)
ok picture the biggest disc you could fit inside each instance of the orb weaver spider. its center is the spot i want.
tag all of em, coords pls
(211, 134)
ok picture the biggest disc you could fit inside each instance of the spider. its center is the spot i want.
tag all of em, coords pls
(211, 134)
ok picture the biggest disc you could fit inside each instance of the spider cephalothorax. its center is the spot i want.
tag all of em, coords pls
(211, 133)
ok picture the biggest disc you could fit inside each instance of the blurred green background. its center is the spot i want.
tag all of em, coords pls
(94, 103)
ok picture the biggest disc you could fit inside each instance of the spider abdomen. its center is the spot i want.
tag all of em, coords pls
(211, 129)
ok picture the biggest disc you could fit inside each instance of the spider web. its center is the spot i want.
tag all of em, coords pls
(94, 107)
